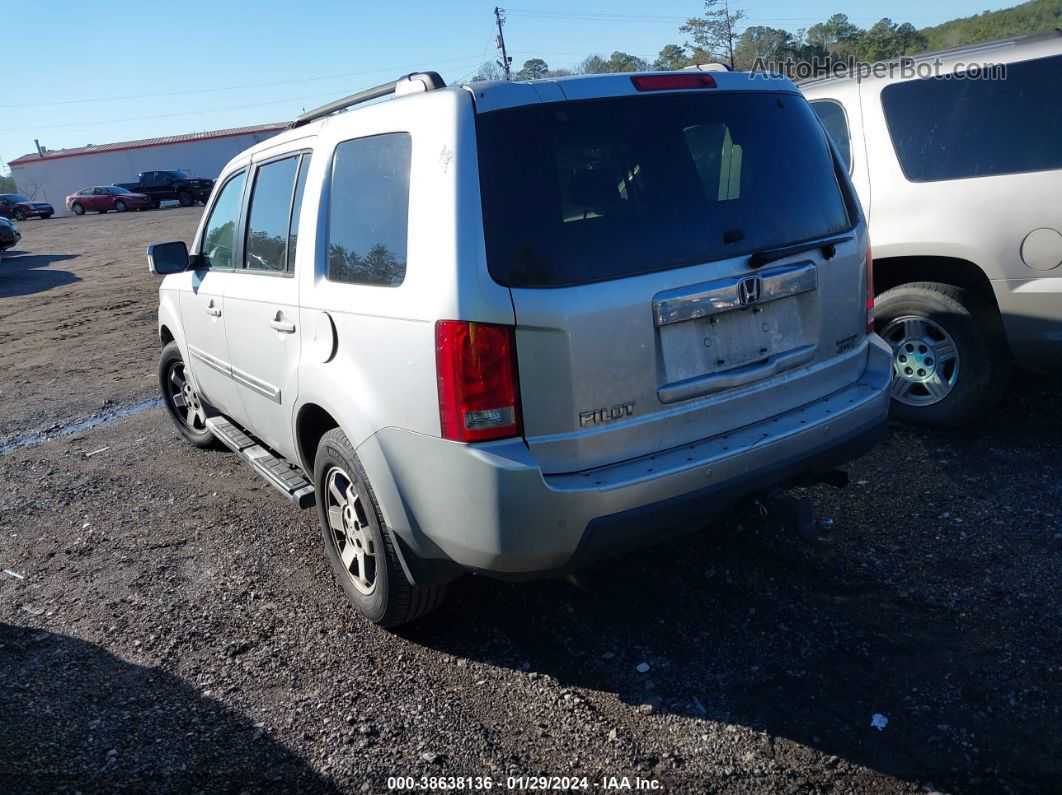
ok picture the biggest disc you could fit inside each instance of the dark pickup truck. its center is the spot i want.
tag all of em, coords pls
(167, 185)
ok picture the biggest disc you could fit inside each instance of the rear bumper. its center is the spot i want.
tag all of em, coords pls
(1032, 315)
(489, 508)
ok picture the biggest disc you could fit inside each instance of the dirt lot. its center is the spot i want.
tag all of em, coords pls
(176, 626)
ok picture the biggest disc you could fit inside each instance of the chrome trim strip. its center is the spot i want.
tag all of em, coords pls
(263, 388)
(724, 295)
(739, 376)
(210, 361)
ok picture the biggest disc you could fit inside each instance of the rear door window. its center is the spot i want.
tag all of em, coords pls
(269, 215)
(833, 118)
(296, 209)
(954, 127)
(588, 190)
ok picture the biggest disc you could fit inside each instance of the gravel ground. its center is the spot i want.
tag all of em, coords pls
(172, 624)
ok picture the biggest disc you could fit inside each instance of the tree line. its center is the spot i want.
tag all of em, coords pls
(719, 36)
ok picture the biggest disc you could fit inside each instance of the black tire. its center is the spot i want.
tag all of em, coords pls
(155, 204)
(195, 432)
(983, 362)
(20, 215)
(185, 199)
(393, 600)
(77, 208)
(119, 206)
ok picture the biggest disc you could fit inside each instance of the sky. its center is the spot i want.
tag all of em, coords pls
(80, 73)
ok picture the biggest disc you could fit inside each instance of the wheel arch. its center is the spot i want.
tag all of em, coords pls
(891, 272)
(312, 422)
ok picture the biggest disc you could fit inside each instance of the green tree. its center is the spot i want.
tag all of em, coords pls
(7, 184)
(533, 69)
(881, 42)
(592, 65)
(772, 45)
(486, 72)
(715, 34)
(910, 39)
(625, 62)
(1038, 16)
(836, 37)
(672, 56)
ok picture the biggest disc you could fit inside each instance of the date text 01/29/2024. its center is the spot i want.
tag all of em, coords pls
(522, 783)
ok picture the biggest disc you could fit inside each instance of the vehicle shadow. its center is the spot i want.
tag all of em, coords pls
(936, 607)
(147, 731)
(26, 274)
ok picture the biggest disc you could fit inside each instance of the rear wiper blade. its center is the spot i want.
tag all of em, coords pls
(829, 248)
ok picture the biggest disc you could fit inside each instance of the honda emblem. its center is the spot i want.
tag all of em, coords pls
(749, 290)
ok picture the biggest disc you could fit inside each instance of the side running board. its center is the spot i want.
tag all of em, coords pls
(277, 472)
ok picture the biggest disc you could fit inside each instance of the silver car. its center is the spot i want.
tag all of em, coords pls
(513, 328)
(957, 157)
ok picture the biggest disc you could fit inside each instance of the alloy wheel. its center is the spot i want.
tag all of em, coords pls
(349, 530)
(925, 360)
(185, 401)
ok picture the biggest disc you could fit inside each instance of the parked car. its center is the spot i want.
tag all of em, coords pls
(962, 182)
(9, 235)
(19, 207)
(611, 306)
(163, 186)
(105, 198)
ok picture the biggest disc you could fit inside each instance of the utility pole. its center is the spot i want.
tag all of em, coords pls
(506, 60)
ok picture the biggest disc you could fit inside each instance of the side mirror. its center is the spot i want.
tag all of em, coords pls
(167, 258)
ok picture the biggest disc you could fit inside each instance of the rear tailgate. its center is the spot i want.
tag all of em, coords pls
(625, 233)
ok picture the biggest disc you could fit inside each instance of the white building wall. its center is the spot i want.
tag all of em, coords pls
(53, 180)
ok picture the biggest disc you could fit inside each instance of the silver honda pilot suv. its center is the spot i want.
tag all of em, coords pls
(514, 328)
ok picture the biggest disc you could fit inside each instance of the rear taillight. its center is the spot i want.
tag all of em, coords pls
(870, 292)
(476, 365)
(672, 82)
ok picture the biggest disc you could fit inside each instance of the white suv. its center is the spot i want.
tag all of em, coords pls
(512, 328)
(961, 177)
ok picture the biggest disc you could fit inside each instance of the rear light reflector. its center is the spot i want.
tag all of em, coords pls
(672, 82)
(476, 366)
(870, 292)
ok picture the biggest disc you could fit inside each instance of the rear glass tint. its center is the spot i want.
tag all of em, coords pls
(953, 127)
(583, 191)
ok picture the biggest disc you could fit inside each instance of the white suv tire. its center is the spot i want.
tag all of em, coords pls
(944, 317)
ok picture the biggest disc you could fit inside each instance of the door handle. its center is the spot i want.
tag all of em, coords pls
(284, 326)
(213, 311)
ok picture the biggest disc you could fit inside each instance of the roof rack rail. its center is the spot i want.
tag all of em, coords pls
(408, 84)
(708, 67)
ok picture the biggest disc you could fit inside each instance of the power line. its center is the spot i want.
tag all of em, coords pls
(482, 58)
(236, 88)
(181, 113)
(595, 16)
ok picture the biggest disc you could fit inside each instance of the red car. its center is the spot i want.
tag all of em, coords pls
(106, 198)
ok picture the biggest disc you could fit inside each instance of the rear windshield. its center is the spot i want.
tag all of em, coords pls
(582, 191)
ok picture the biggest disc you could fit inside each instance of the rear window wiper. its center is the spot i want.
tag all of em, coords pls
(829, 248)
